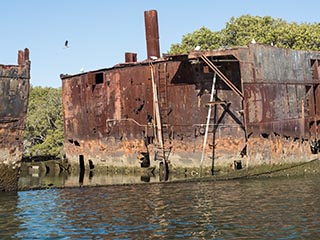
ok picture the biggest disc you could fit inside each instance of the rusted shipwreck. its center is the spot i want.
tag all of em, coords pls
(14, 92)
(251, 105)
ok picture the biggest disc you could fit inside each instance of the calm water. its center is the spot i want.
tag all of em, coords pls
(280, 208)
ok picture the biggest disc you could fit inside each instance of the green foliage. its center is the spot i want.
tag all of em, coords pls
(44, 128)
(240, 31)
(203, 37)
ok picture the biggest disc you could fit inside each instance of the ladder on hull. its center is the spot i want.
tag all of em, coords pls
(161, 120)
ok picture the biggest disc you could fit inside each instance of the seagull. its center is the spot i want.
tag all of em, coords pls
(66, 44)
(153, 58)
(253, 41)
(82, 70)
(197, 48)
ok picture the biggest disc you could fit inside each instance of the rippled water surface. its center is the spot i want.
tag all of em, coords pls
(280, 208)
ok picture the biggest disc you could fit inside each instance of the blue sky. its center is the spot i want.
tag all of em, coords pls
(100, 32)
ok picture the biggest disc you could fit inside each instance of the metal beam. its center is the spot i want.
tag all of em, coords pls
(221, 75)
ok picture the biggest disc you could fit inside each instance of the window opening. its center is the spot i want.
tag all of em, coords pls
(99, 78)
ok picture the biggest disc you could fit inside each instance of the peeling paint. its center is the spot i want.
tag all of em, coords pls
(14, 92)
(266, 108)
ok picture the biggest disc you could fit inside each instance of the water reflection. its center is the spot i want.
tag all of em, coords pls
(257, 209)
(8, 211)
(39, 214)
(42, 177)
(37, 178)
(281, 208)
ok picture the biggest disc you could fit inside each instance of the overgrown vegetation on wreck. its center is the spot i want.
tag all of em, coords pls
(44, 130)
(264, 30)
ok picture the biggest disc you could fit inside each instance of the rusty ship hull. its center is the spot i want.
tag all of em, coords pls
(255, 104)
(14, 92)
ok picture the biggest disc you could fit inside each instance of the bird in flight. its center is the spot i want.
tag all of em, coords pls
(66, 44)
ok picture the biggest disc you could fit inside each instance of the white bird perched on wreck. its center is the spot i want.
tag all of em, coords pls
(253, 41)
(197, 48)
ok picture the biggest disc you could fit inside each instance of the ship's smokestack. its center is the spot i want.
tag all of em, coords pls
(23, 56)
(130, 57)
(152, 33)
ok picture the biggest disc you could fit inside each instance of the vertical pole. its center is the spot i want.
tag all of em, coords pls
(302, 128)
(302, 117)
(156, 109)
(208, 120)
